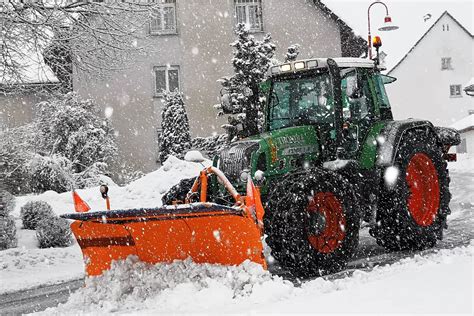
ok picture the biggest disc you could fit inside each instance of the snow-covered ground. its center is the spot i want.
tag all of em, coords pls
(429, 282)
(435, 283)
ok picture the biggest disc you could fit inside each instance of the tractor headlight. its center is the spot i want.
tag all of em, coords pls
(299, 65)
(285, 67)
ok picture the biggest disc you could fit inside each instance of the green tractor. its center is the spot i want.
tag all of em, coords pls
(331, 157)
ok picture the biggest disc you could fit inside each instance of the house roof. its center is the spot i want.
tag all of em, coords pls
(352, 45)
(469, 87)
(424, 35)
(464, 124)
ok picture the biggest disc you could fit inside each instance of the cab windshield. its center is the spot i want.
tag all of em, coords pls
(301, 101)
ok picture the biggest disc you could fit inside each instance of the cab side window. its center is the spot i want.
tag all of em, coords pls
(355, 96)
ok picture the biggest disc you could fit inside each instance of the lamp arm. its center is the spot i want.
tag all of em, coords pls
(368, 25)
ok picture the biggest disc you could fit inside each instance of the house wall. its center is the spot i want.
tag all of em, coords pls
(422, 88)
(469, 137)
(201, 49)
(18, 109)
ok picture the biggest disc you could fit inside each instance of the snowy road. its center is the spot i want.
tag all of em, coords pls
(460, 233)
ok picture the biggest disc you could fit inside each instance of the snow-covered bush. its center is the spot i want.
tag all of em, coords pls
(16, 149)
(53, 232)
(8, 237)
(176, 138)
(251, 61)
(33, 212)
(7, 202)
(75, 129)
(50, 173)
(7, 223)
(211, 145)
(68, 143)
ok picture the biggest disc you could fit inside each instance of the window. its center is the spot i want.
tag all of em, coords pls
(249, 12)
(446, 63)
(163, 17)
(462, 148)
(301, 102)
(166, 79)
(455, 90)
(445, 27)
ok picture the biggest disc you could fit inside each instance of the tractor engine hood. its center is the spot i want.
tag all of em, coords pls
(275, 153)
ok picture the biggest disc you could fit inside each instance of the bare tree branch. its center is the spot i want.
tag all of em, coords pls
(93, 37)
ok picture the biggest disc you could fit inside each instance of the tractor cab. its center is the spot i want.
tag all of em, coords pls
(342, 97)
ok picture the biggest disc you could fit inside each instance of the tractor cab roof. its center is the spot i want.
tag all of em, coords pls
(320, 63)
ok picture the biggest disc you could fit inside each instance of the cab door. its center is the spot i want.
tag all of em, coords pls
(359, 111)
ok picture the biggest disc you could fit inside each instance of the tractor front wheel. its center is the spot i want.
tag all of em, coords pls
(413, 209)
(312, 223)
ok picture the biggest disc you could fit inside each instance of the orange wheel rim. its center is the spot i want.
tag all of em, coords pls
(423, 183)
(333, 233)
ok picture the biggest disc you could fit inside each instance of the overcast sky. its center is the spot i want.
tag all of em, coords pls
(407, 14)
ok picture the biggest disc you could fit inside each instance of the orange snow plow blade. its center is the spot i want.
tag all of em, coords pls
(204, 232)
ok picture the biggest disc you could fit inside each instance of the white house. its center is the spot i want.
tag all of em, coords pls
(432, 74)
(465, 150)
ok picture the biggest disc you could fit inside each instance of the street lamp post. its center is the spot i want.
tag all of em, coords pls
(388, 25)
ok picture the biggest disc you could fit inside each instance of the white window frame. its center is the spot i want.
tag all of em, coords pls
(446, 63)
(457, 88)
(246, 5)
(159, 9)
(167, 78)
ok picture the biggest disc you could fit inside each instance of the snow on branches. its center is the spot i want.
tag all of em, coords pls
(251, 61)
(69, 144)
(176, 138)
(93, 36)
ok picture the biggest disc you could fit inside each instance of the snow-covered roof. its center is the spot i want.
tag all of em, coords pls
(464, 124)
(342, 62)
(354, 62)
(469, 86)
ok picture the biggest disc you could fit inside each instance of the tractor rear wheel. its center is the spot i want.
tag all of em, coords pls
(312, 223)
(412, 211)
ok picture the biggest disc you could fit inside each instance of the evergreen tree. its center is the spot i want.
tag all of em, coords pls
(176, 138)
(251, 61)
(292, 53)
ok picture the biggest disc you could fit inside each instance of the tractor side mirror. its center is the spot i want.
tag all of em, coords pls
(194, 156)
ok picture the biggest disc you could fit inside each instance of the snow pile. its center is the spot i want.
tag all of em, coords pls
(144, 192)
(182, 286)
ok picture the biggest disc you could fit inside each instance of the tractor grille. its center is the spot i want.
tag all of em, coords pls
(235, 159)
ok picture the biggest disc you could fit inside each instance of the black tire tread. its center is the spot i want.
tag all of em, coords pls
(396, 230)
(285, 229)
